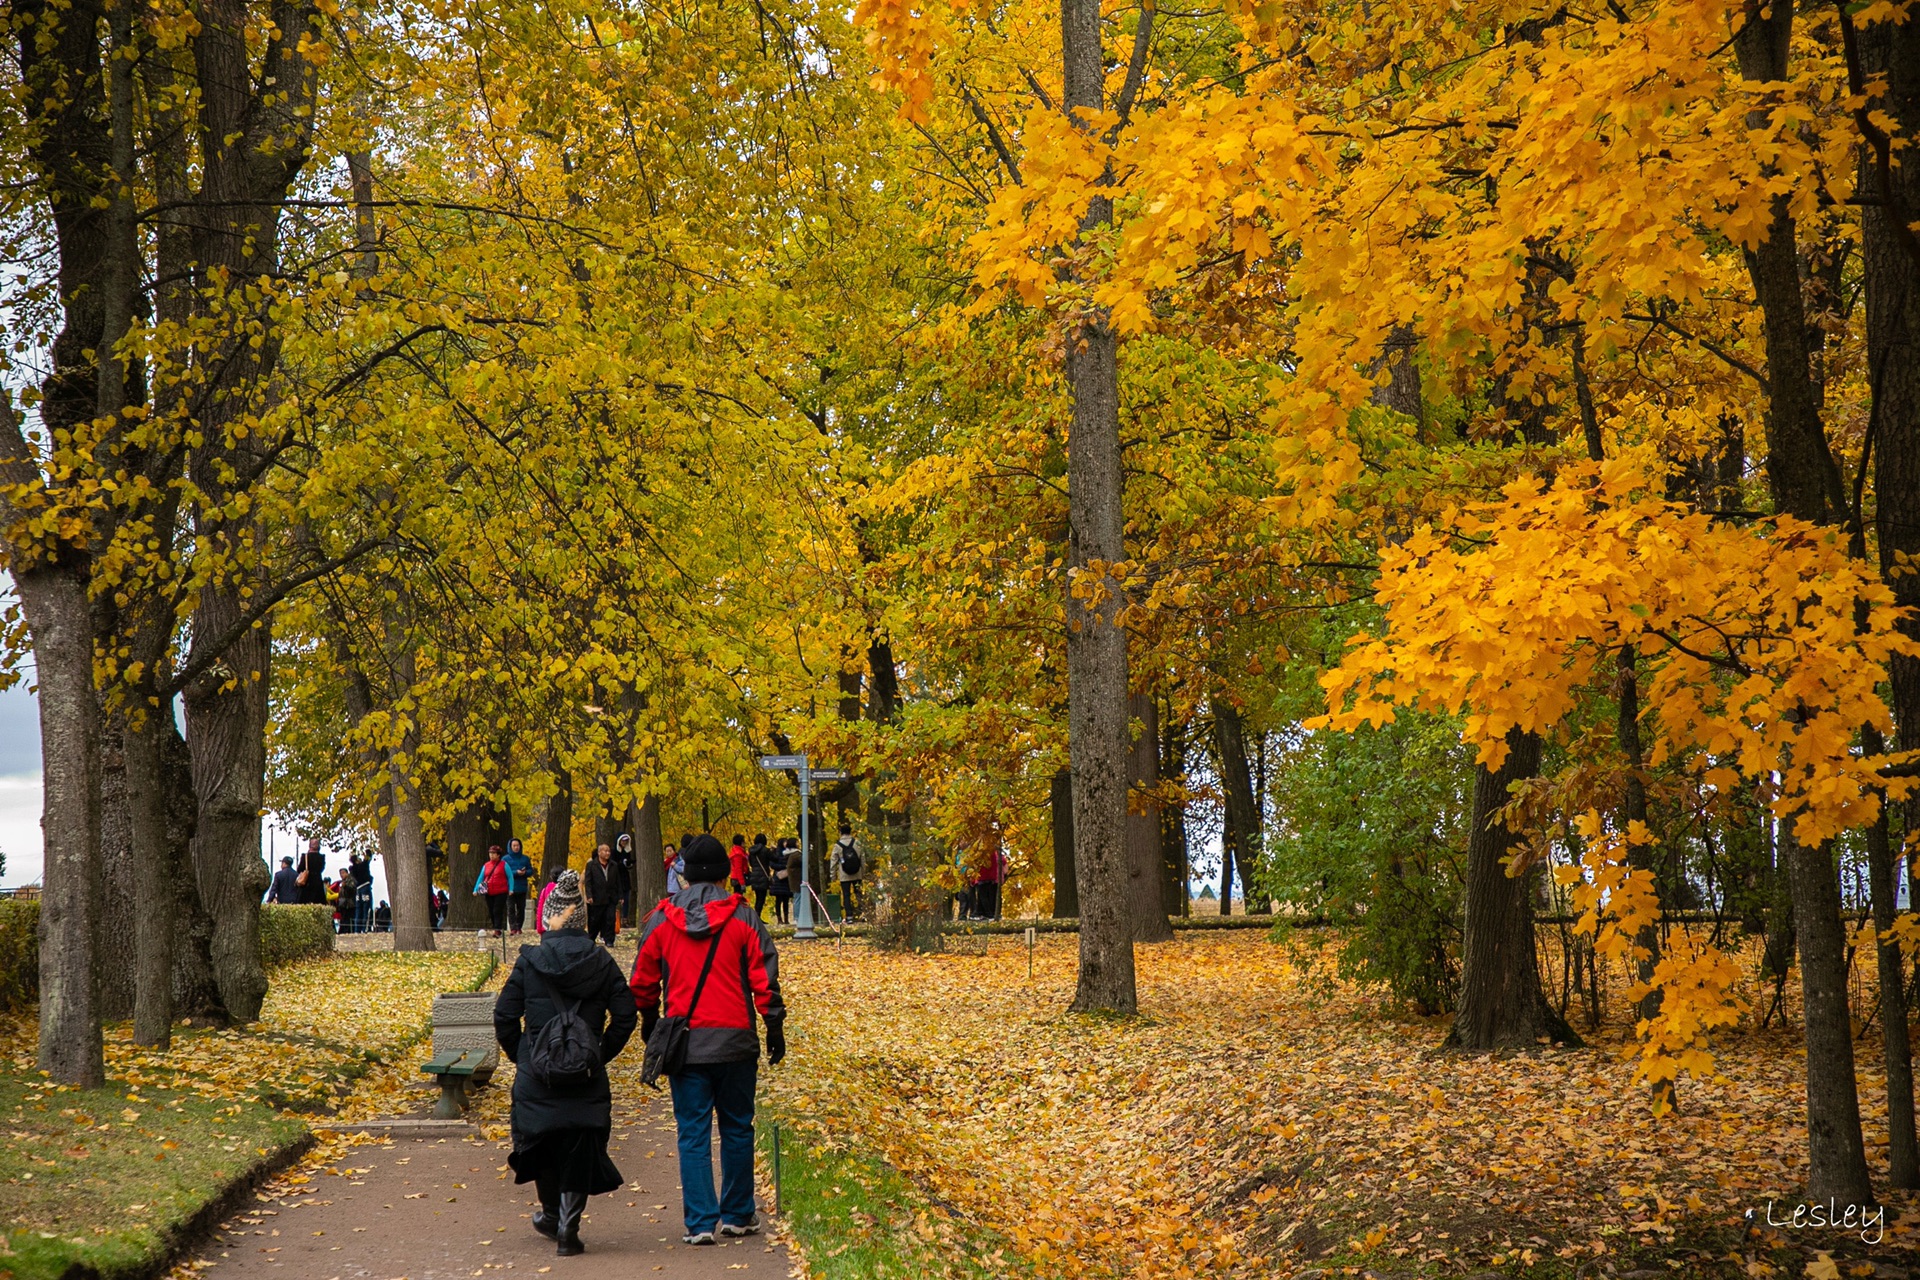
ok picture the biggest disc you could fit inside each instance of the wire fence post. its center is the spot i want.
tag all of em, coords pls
(1030, 932)
(776, 1168)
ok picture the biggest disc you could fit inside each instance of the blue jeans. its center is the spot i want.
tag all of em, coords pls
(700, 1092)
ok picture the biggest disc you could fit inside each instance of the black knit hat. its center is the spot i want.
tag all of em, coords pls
(707, 861)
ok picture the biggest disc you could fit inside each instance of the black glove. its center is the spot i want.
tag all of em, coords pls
(776, 1041)
(649, 1018)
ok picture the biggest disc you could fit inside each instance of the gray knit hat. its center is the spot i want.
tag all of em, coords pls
(566, 908)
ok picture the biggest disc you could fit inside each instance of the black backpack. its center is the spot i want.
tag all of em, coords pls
(850, 859)
(565, 1052)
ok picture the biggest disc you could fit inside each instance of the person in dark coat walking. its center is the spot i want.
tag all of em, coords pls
(286, 887)
(703, 925)
(605, 885)
(560, 1134)
(760, 873)
(312, 873)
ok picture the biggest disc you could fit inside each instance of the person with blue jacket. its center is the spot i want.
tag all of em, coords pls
(520, 879)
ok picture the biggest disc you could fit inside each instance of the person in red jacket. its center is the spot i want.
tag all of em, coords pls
(705, 927)
(738, 868)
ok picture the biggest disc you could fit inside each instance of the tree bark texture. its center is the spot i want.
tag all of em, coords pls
(226, 733)
(1096, 643)
(1896, 1046)
(1501, 1004)
(1174, 854)
(1800, 467)
(1836, 1150)
(54, 599)
(1066, 888)
(649, 871)
(408, 879)
(466, 850)
(1145, 860)
(143, 743)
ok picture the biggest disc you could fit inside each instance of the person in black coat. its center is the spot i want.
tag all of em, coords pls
(560, 1134)
(605, 884)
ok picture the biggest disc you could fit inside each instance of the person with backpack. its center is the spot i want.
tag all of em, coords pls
(563, 1015)
(519, 883)
(715, 964)
(782, 885)
(846, 869)
(759, 874)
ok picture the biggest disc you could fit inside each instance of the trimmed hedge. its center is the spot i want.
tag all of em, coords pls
(294, 932)
(19, 955)
(287, 933)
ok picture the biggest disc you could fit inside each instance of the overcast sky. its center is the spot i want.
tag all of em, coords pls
(19, 786)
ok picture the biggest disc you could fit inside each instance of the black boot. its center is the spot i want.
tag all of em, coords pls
(572, 1205)
(547, 1220)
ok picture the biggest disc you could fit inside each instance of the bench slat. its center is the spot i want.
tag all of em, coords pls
(441, 1061)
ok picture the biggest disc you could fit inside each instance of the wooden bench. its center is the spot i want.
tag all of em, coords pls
(452, 1069)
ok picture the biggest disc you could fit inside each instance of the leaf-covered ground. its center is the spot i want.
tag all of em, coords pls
(107, 1176)
(1265, 1118)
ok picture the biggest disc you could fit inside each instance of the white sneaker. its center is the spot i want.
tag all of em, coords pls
(697, 1237)
(751, 1227)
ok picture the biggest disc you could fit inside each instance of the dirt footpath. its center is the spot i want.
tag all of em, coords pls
(432, 1210)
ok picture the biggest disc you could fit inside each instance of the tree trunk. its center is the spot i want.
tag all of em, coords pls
(54, 599)
(1892, 272)
(1634, 809)
(1401, 393)
(116, 957)
(1173, 820)
(1145, 870)
(407, 875)
(1096, 641)
(1501, 1004)
(1836, 1152)
(466, 850)
(649, 871)
(1903, 1162)
(142, 746)
(1066, 888)
(556, 847)
(226, 733)
(1241, 839)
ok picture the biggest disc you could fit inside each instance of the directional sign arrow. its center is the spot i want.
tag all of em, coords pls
(828, 775)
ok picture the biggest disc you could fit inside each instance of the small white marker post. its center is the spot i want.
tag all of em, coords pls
(1030, 932)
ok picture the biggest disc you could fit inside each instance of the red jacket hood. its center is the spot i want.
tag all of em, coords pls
(700, 919)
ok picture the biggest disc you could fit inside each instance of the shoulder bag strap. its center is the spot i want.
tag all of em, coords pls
(712, 948)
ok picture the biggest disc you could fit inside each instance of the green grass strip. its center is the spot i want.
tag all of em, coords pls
(856, 1217)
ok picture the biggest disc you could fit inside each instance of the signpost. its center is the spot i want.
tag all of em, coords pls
(802, 897)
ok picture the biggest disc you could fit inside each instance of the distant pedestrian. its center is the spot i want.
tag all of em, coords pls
(540, 907)
(520, 880)
(987, 878)
(737, 868)
(759, 873)
(782, 885)
(561, 1126)
(847, 865)
(718, 966)
(286, 883)
(604, 891)
(312, 877)
(383, 918)
(671, 859)
(359, 876)
(493, 883)
(796, 872)
(629, 875)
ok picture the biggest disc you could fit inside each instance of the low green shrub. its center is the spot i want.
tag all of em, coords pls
(294, 932)
(19, 955)
(287, 933)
